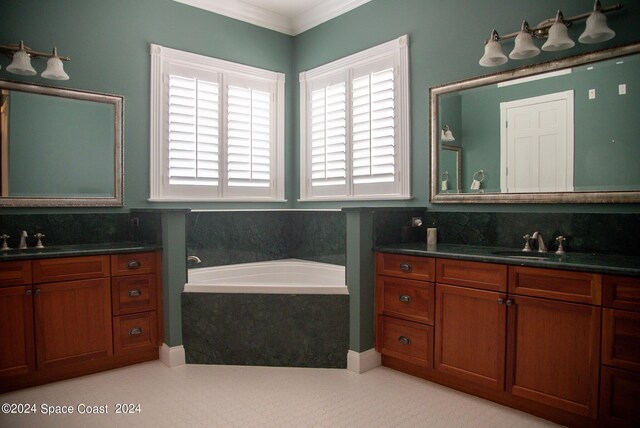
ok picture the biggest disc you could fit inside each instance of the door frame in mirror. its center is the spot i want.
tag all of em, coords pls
(436, 92)
(118, 127)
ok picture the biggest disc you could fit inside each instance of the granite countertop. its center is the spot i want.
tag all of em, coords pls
(75, 250)
(599, 263)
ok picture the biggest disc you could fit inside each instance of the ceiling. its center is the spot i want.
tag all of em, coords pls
(286, 16)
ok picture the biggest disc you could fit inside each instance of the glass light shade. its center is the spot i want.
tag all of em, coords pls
(596, 30)
(55, 70)
(524, 47)
(21, 64)
(558, 38)
(493, 55)
(446, 135)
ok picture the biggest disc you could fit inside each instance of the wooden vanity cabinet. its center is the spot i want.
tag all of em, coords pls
(61, 322)
(526, 337)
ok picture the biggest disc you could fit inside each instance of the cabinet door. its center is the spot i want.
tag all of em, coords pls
(553, 353)
(470, 335)
(73, 321)
(619, 398)
(17, 354)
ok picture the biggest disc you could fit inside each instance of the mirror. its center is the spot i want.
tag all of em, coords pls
(59, 147)
(559, 132)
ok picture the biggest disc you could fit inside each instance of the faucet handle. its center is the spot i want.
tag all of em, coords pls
(561, 240)
(527, 243)
(39, 243)
(4, 238)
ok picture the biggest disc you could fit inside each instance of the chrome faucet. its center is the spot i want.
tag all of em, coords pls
(194, 259)
(542, 248)
(23, 240)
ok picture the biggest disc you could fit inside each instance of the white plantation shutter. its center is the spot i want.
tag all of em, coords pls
(355, 126)
(373, 129)
(217, 129)
(193, 131)
(249, 135)
(328, 136)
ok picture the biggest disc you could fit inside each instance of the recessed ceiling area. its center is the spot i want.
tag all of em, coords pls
(286, 16)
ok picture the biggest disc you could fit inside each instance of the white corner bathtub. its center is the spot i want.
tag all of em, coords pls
(289, 276)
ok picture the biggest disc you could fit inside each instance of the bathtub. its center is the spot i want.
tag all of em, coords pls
(285, 313)
(289, 276)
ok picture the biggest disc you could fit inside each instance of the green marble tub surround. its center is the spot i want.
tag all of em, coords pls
(584, 262)
(266, 329)
(223, 238)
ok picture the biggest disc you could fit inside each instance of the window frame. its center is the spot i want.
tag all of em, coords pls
(162, 61)
(397, 51)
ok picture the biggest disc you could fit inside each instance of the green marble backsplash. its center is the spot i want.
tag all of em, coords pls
(69, 229)
(585, 233)
(222, 238)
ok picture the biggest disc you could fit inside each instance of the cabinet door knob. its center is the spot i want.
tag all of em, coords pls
(509, 302)
(135, 293)
(501, 301)
(405, 298)
(405, 267)
(133, 264)
(29, 292)
(38, 291)
(404, 340)
(135, 331)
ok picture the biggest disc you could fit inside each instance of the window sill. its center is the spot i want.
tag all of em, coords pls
(217, 200)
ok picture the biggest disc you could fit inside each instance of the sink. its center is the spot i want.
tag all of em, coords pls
(524, 255)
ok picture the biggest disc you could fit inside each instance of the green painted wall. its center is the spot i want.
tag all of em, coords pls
(446, 42)
(108, 42)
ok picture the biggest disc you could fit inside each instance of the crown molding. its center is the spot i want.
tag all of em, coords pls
(323, 12)
(264, 18)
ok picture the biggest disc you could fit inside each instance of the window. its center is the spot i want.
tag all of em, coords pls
(354, 120)
(217, 129)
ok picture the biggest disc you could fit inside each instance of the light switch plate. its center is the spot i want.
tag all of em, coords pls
(622, 89)
(592, 94)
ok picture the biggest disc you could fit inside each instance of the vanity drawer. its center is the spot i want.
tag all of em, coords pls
(400, 265)
(134, 332)
(485, 276)
(578, 287)
(70, 268)
(406, 340)
(15, 273)
(135, 293)
(621, 339)
(621, 292)
(132, 263)
(405, 298)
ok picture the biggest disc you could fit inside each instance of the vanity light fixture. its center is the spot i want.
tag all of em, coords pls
(21, 63)
(552, 29)
(446, 134)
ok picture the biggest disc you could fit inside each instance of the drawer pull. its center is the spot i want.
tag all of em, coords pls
(405, 267)
(133, 264)
(135, 293)
(135, 331)
(404, 340)
(405, 298)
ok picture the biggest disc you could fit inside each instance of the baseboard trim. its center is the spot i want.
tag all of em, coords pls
(172, 356)
(360, 362)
